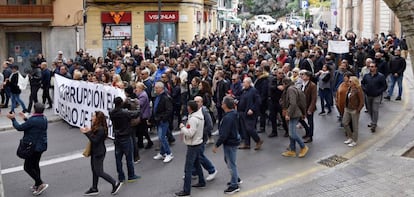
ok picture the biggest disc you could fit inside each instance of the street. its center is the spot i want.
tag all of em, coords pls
(69, 174)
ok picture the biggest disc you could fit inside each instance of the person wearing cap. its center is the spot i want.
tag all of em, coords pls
(60, 57)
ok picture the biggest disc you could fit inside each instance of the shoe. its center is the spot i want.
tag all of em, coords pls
(40, 189)
(286, 134)
(133, 179)
(33, 188)
(149, 145)
(215, 132)
(387, 98)
(232, 190)
(322, 113)
(182, 193)
(168, 158)
(273, 134)
(199, 185)
(303, 151)
(140, 146)
(243, 146)
(329, 111)
(370, 125)
(304, 137)
(259, 145)
(398, 98)
(352, 144)
(192, 177)
(158, 157)
(308, 140)
(91, 192)
(210, 140)
(239, 181)
(50, 107)
(366, 111)
(211, 176)
(115, 189)
(373, 129)
(349, 140)
(289, 153)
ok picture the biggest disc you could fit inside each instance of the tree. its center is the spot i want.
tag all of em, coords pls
(403, 10)
(268, 6)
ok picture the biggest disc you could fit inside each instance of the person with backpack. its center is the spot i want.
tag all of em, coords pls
(294, 110)
(248, 109)
(311, 95)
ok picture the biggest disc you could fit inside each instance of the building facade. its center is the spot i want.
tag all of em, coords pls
(113, 24)
(366, 18)
(227, 12)
(30, 27)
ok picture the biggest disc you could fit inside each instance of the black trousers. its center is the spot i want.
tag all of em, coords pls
(33, 96)
(46, 96)
(31, 166)
(248, 128)
(142, 131)
(97, 171)
(134, 143)
(274, 109)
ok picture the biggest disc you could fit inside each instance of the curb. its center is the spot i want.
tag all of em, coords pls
(51, 119)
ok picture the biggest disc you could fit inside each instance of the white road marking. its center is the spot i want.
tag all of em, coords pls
(66, 158)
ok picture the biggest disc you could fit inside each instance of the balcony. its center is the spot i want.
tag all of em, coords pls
(26, 13)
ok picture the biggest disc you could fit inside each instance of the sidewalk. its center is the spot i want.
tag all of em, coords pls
(5, 123)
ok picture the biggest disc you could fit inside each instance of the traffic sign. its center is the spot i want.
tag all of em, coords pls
(305, 4)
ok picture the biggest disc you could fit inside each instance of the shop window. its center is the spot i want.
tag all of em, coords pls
(168, 35)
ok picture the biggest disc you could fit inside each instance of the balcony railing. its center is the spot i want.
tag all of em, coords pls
(26, 13)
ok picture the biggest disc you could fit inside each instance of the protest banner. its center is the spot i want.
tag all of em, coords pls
(338, 46)
(76, 101)
(265, 37)
(284, 43)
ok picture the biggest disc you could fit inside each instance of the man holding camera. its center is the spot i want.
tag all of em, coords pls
(121, 121)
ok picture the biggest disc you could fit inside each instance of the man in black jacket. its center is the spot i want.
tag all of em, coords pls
(35, 79)
(396, 67)
(248, 109)
(373, 84)
(262, 86)
(162, 111)
(275, 93)
(121, 122)
(46, 77)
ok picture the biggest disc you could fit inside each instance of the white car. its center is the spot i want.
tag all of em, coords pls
(261, 21)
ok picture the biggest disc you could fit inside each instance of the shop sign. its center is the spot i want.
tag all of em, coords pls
(116, 17)
(166, 16)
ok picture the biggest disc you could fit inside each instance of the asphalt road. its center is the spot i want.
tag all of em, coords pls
(69, 174)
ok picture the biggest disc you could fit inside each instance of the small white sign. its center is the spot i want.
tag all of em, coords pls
(284, 43)
(265, 37)
(338, 46)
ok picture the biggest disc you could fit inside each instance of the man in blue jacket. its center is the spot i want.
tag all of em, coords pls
(230, 138)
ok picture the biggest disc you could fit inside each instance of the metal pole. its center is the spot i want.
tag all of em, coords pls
(159, 25)
(1, 184)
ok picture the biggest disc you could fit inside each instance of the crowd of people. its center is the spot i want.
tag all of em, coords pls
(223, 79)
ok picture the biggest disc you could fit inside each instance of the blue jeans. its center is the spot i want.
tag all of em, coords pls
(16, 98)
(162, 130)
(205, 162)
(230, 156)
(123, 146)
(392, 84)
(192, 160)
(293, 136)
